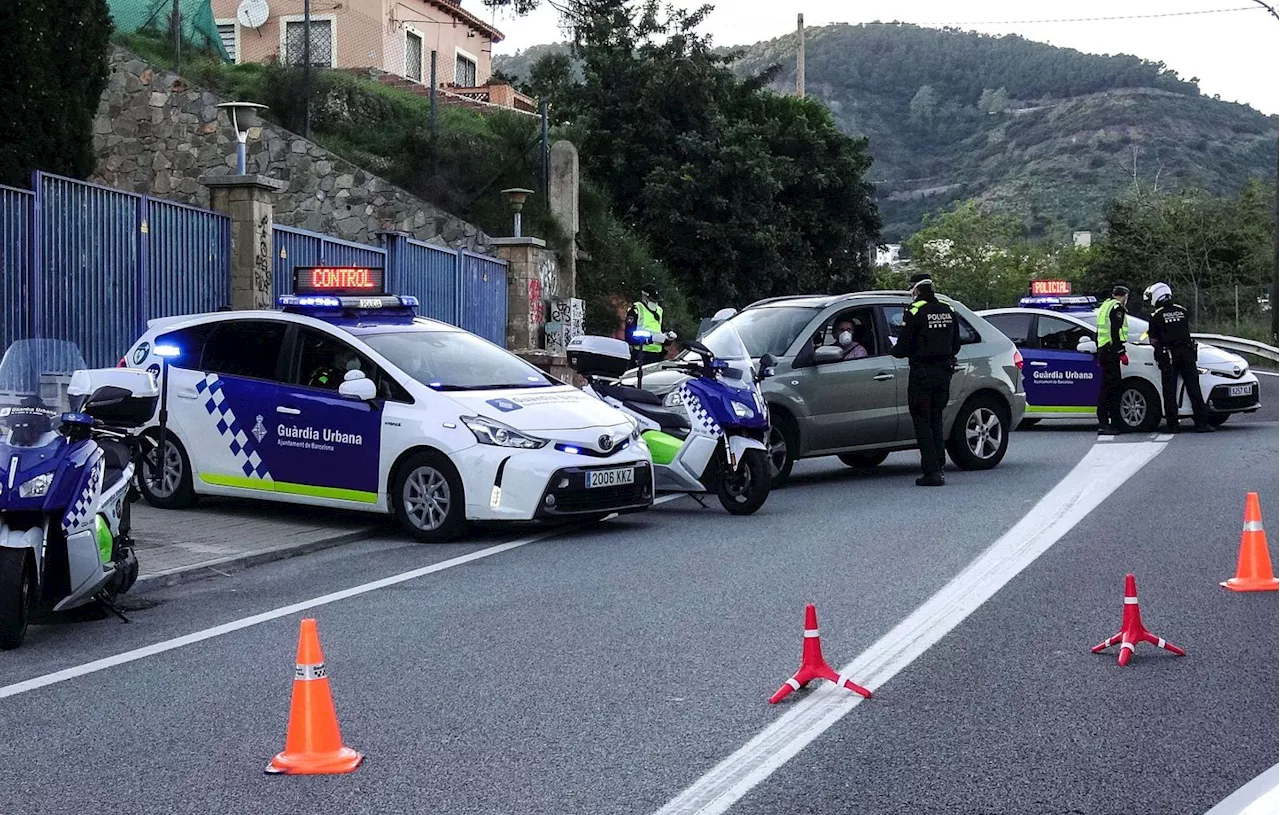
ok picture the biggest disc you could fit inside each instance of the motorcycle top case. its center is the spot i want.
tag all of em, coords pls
(118, 397)
(599, 356)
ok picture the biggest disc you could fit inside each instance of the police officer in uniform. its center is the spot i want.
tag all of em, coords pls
(930, 339)
(646, 314)
(1113, 331)
(1170, 335)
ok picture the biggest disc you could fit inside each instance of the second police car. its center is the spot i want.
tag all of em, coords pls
(1057, 336)
(344, 398)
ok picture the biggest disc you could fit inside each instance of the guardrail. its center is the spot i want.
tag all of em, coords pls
(1239, 344)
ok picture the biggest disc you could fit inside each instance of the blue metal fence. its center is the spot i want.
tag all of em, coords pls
(15, 264)
(92, 264)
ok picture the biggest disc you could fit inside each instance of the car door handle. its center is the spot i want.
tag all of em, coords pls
(187, 394)
(288, 410)
(883, 376)
(1040, 365)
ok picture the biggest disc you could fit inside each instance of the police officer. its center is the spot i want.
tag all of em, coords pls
(1113, 331)
(1170, 335)
(930, 339)
(646, 314)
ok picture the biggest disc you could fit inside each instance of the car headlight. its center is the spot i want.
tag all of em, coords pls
(672, 399)
(1202, 371)
(36, 487)
(487, 431)
(743, 411)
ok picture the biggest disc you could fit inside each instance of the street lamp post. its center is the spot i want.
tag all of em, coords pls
(244, 115)
(1275, 270)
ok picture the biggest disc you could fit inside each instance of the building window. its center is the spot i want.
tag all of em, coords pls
(321, 43)
(227, 33)
(413, 56)
(464, 72)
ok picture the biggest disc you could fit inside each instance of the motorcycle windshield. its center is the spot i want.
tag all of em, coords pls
(726, 343)
(34, 375)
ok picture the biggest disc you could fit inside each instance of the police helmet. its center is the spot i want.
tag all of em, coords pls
(650, 290)
(1157, 293)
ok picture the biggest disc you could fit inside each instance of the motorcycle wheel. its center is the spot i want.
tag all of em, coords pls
(743, 491)
(15, 597)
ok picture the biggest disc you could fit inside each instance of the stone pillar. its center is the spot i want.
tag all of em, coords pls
(250, 202)
(532, 280)
(563, 200)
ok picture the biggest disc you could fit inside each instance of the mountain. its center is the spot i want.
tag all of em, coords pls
(1049, 133)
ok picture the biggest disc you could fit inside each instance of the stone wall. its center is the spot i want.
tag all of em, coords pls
(155, 134)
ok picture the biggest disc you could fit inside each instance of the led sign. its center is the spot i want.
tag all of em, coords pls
(339, 280)
(1050, 287)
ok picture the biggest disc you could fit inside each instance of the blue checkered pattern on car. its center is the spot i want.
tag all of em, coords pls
(79, 512)
(241, 444)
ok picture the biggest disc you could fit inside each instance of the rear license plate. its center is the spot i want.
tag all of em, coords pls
(611, 478)
(1240, 390)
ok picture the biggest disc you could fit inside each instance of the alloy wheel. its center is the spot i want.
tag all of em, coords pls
(984, 433)
(427, 498)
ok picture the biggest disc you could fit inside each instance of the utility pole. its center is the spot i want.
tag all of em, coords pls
(306, 67)
(175, 20)
(800, 55)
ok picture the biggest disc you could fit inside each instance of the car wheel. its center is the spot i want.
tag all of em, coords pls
(1140, 410)
(980, 435)
(427, 498)
(863, 461)
(1025, 423)
(1218, 419)
(16, 580)
(174, 489)
(782, 448)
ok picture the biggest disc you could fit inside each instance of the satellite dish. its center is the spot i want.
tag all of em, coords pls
(252, 13)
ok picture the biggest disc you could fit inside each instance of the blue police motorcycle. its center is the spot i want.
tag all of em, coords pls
(68, 454)
(708, 433)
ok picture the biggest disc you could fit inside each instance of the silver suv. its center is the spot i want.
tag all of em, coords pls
(821, 404)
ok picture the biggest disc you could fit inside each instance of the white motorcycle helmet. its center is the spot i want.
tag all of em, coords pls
(1157, 293)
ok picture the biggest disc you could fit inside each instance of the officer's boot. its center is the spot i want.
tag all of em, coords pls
(1172, 426)
(1204, 427)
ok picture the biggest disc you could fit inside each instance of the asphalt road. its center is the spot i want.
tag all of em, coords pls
(606, 671)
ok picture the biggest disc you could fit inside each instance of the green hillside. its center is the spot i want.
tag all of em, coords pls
(1048, 133)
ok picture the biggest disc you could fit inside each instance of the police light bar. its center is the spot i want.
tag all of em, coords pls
(1072, 303)
(317, 302)
(1041, 287)
(340, 280)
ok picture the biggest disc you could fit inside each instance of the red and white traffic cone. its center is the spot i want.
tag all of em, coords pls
(1132, 631)
(812, 664)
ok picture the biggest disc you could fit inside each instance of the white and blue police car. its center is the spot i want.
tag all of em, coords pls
(345, 398)
(1057, 336)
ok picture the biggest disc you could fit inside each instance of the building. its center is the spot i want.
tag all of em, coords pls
(392, 39)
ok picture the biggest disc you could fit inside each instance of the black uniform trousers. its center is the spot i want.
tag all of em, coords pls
(928, 391)
(1184, 365)
(1109, 394)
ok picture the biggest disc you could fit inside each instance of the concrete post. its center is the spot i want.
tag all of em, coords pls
(563, 200)
(532, 280)
(249, 200)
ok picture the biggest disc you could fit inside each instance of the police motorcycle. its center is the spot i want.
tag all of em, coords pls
(710, 436)
(68, 454)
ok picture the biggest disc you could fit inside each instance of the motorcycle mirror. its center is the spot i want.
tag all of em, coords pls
(723, 314)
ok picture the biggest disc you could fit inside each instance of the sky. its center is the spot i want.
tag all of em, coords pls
(1235, 54)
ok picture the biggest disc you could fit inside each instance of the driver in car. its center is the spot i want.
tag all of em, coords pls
(846, 330)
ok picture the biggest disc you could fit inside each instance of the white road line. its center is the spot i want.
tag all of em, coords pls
(1267, 373)
(1103, 470)
(275, 614)
(1261, 796)
(1164, 437)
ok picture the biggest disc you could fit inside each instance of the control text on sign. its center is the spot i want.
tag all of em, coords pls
(339, 280)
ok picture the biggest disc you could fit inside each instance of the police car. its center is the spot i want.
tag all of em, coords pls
(345, 398)
(1057, 336)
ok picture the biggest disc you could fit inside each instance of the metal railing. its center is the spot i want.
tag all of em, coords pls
(1241, 345)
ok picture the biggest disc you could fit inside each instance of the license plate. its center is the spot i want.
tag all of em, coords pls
(1240, 390)
(611, 478)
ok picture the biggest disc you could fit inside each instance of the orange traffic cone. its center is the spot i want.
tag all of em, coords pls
(314, 745)
(1253, 570)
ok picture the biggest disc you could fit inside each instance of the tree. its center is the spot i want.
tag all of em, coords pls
(993, 101)
(741, 193)
(924, 103)
(54, 75)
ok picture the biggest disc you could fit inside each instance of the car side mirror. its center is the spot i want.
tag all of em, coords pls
(356, 385)
(767, 364)
(827, 354)
(1087, 346)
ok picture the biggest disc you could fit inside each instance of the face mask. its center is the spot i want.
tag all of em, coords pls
(845, 338)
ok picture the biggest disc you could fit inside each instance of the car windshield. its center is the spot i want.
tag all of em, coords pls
(770, 330)
(34, 375)
(456, 361)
